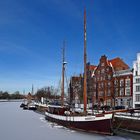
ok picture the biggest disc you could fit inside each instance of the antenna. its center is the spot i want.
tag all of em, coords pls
(32, 89)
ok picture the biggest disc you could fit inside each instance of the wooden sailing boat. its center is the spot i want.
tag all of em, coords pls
(99, 123)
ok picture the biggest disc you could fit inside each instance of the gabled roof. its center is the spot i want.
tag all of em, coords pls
(118, 64)
(76, 78)
(91, 67)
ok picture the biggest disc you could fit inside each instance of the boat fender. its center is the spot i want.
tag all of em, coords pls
(67, 112)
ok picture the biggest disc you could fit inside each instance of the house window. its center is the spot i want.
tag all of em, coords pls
(122, 102)
(116, 82)
(137, 88)
(121, 92)
(102, 71)
(127, 91)
(138, 80)
(108, 102)
(94, 93)
(107, 69)
(109, 93)
(121, 83)
(136, 73)
(109, 84)
(137, 98)
(101, 78)
(94, 79)
(127, 82)
(109, 77)
(116, 91)
(128, 102)
(99, 85)
(101, 93)
(116, 102)
(102, 85)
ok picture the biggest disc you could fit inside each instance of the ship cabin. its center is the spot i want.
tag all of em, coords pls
(58, 110)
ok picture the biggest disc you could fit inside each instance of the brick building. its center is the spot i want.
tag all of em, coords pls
(76, 86)
(108, 83)
(76, 89)
(90, 81)
(113, 83)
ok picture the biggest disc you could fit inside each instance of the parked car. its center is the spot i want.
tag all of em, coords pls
(119, 107)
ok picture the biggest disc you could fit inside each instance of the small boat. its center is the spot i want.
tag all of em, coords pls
(29, 106)
(25, 107)
(32, 106)
(22, 105)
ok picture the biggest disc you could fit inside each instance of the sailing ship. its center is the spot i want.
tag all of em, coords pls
(62, 114)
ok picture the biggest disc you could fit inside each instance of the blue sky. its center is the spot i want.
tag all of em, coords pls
(32, 34)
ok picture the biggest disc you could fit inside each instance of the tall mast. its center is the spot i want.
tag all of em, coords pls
(63, 74)
(85, 70)
(32, 89)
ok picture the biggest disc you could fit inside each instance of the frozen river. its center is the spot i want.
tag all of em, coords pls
(18, 124)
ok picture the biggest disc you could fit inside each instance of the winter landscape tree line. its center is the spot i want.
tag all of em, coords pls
(8, 96)
(47, 92)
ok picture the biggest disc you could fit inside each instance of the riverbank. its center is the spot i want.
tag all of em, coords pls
(11, 100)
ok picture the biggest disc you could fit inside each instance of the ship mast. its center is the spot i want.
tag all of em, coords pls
(85, 70)
(63, 74)
(32, 89)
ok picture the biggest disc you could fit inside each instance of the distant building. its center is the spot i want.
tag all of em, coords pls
(76, 89)
(29, 97)
(136, 82)
(76, 86)
(112, 83)
(90, 80)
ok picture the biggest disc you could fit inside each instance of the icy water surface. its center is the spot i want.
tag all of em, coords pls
(18, 124)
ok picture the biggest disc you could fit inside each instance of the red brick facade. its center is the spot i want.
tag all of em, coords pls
(112, 83)
(109, 83)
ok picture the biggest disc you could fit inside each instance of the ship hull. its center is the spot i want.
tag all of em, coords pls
(127, 123)
(100, 126)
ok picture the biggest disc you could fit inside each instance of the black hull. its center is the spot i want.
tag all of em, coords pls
(100, 126)
(22, 105)
(25, 107)
(130, 125)
(32, 108)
